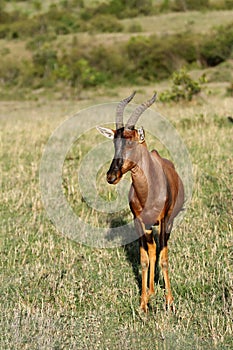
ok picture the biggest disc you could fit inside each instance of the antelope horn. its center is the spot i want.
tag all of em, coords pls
(138, 111)
(120, 110)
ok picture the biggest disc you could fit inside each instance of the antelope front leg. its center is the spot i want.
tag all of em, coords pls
(147, 258)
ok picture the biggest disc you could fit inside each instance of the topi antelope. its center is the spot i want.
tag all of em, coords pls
(156, 195)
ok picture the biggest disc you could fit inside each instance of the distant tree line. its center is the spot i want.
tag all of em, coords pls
(141, 59)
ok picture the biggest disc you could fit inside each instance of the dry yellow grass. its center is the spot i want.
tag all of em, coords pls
(58, 294)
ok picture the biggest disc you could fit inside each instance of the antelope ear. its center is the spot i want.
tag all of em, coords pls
(109, 133)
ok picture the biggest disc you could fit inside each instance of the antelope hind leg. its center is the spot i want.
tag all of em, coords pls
(164, 264)
(152, 259)
(144, 259)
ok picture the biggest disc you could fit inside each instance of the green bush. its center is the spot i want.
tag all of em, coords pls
(9, 72)
(105, 24)
(38, 41)
(12, 23)
(23, 28)
(54, 21)
(222, 5)
(185, 5)
(70, 4)
(44, 62)
(197, 4)
(4, 30)
(217, 47)
(148, 58)
(110, 61)
(62, 21)
(9, 17)
(229, 90)
(229, 4)
(135, 28)
(4, 16)
(76, 69)
(85, 76)
(157, 58)
(79, 75)
(119, 9)
(183, 47)
(183, 88)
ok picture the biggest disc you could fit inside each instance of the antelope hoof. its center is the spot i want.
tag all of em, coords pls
(151, 292)
(169, 303)
(143, 304)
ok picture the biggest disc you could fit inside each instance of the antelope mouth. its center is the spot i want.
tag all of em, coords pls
(114, 177)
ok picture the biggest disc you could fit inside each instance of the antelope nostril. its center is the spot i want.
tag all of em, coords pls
(111, 178)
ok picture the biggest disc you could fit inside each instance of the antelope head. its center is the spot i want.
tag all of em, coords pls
(127, 139)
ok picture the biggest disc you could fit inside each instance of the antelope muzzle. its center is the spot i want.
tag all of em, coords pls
(114, 173)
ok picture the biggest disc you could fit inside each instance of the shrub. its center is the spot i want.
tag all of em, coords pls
(110, 61)
(23, 28)
(135, 28)
(62, 21)
(120, 9)
(229, 90)
(80, 74)
(37, 5)
(67, 4)
(13, 23)
(229, 4)
(183, 47)
(44, 62)
(9, 72)
(55, 20)
(184, 5)
(38, 41)
(183, 88)
(4, 30)
(105, 23)
(4, 16)
(157, 58)
(222, 5)
(217, 47)
(197, 4)
(9, 17)
(148, 58)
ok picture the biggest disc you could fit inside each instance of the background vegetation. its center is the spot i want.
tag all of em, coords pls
(57, 57)
(48, 62)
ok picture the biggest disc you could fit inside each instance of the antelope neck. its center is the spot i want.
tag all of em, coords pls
(140, 175)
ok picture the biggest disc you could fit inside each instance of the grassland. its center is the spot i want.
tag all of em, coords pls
(59, 294)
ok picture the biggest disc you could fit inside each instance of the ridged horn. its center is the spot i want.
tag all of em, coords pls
(138, 111)
(120, 110)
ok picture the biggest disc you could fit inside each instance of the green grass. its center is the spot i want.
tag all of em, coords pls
(58, 294)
